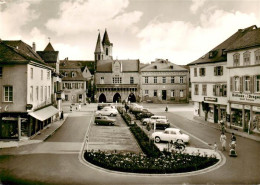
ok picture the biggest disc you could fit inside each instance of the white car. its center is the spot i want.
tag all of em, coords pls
(170, 134)
(154, 119)
(107, 111)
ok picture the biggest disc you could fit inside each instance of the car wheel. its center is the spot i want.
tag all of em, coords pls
(144, 123)
(96, 123)
(111, 114)
(109, 124)
(157, 139)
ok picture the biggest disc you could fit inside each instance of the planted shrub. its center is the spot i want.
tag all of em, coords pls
(139, 163)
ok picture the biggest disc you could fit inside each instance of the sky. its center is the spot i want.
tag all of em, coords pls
(178, 30)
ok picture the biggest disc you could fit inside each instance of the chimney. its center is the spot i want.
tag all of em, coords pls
(34, 46)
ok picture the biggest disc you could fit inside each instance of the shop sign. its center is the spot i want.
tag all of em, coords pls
(247, 107)
(256, 109)
(248, 97)
(211, 99)
(237, 106)
(9, 119)
(29, 106)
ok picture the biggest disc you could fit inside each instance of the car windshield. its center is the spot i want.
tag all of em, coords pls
(180, 132)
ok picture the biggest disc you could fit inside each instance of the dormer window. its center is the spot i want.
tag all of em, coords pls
(224, 53)
(65, 74)
(73, 74)
(211, 54)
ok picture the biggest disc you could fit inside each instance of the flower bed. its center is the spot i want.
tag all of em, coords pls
(168, 163)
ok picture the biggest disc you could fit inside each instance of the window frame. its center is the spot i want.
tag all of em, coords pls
(172, 79)
(146, 80)
(155, 79)
(204, 89)
(246, 58)
(247, 81)
(196, 89)
(257, 56)
(155, 93)
(257, 84)
(10, 93)
(181, 80)
(236, 59)
(195, 72)
(131, 80)
(163, 79)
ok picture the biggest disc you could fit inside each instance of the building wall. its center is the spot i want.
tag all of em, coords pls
(168, 86)
(19, 83)
(43, 83)
(244, 105)
(216, 102)
(124, 89)
(73, 94)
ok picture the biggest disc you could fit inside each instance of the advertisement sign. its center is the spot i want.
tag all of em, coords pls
(211, 99)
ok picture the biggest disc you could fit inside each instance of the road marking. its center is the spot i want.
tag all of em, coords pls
(191, 135)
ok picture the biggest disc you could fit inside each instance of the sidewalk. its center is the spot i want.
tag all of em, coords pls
(229, 130)
(40, 137)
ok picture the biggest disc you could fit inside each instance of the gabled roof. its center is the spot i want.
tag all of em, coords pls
(216, 54)
(74, 64)
(49, 47)
(105, 40)
(78, 76)
(99, 48)
(250, 39)
(127, 65)
(18, 52)
(162, 65)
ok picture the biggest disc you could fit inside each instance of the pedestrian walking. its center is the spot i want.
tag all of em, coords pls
(223, 141)
(232, 152)
(166, 109)
(233, 137)
(61, 115)
(79, 107)
(215, 147)
(71, 108)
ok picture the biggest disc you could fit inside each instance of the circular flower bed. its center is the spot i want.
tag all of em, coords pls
(139, 163)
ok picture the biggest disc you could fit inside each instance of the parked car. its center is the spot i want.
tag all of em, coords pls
(133, 107)
(145, 113)
(170, 135)
(104, 120)
(102, 105)
(107, 111)
(155, 118)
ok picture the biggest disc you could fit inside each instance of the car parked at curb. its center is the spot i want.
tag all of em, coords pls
(170, 135)
(104, 120)
(156, 119)
(107, 111)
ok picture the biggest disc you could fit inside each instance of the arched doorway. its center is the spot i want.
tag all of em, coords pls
(102, 98)
(131, 97)
(117, 98)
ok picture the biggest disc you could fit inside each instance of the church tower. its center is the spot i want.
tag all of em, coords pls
(99, 52)
(107, 47)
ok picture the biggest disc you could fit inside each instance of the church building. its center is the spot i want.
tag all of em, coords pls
(115, 80)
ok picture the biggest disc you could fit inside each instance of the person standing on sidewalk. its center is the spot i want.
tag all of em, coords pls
(61, 115)
(79, 106)
(223, 141)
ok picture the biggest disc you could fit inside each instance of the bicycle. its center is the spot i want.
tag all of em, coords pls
(178, 145)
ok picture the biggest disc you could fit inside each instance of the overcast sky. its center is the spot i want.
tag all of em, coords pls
(178, 30)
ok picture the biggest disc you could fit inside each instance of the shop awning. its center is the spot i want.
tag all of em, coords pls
(44, 113)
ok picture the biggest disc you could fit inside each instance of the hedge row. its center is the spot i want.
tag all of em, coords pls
(138, 163)
(147, 146)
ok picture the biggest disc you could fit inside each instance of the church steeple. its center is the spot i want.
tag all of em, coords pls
(105, 40)
(99, 49)
(49, 47)
(107, 46)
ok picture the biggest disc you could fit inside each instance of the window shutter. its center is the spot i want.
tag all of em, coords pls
(241, 84)
(200, 71)
(204, 71)
(221, 70)
(231, 84)
(221, 90)
(251, 84)
(214, 90)
(215, 71)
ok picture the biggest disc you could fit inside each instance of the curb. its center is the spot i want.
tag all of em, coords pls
(220, 163)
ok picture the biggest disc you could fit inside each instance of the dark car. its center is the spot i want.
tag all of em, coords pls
(104, 120)
(144, 114)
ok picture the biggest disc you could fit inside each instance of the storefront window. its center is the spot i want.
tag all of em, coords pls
(236, 117)
(256, 122)
(9, 129)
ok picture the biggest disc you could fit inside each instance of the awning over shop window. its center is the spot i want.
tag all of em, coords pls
(44, 113)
